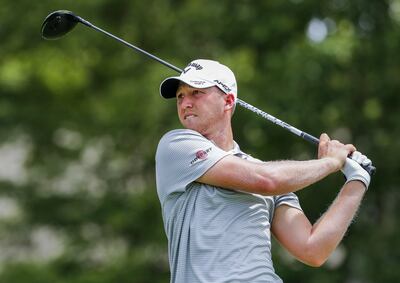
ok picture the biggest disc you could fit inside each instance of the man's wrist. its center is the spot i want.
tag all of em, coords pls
(333, 163)
(362, 184)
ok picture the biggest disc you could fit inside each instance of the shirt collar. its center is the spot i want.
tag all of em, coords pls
(236, 149)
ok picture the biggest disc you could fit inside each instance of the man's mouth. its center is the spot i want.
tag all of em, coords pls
(188, 116)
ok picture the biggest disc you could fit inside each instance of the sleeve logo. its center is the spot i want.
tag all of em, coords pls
(201, 155)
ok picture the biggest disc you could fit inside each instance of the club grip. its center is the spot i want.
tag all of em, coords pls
(370, 169)
(310, 138)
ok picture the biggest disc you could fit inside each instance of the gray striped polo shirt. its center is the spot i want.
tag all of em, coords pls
(214, 235)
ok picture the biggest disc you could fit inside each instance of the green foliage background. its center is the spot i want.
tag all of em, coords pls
(80, 119)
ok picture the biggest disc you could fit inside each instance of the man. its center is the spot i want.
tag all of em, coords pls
(220, 205)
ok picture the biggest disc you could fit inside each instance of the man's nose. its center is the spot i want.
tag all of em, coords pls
(187, 102)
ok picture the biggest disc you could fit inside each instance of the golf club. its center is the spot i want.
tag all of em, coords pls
(59, 23)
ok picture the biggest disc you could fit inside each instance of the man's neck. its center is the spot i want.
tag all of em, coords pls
(223, 139)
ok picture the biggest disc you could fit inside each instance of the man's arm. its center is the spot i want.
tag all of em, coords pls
(312, 244)
(268, 178)
(275, 178)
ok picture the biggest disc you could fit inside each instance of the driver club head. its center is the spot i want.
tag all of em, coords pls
(58, 23)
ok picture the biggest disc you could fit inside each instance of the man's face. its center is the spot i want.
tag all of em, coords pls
(200, 109)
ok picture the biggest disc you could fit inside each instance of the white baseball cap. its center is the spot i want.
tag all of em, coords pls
(201, 73)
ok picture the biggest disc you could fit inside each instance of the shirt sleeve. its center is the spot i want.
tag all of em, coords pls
(289, 199)
(182, 157)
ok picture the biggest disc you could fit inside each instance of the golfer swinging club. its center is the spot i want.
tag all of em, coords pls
(220, 205)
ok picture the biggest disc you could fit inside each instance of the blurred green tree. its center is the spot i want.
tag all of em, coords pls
(80, 119)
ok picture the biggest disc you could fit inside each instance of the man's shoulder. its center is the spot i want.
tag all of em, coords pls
(179, 134)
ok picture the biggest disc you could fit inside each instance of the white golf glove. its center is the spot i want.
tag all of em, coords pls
(352, 169)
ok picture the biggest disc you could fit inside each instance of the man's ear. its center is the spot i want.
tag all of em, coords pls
(229, 101)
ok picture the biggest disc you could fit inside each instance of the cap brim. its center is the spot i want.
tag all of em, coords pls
(170, 85)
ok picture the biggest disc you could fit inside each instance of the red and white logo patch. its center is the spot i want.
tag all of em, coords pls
(201, 155)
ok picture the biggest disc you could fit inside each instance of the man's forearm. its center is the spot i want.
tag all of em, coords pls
(268, 178)
(329, 230)
(291, 176)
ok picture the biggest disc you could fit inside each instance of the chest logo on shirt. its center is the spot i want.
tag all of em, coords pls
(201, 155)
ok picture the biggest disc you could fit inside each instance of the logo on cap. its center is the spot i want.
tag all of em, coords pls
(224, 86)
(197, 82)
(197, 66)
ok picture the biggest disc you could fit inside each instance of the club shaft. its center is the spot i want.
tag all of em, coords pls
(278, 122)
(370, 169)
(165, 63)
(311, 139)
